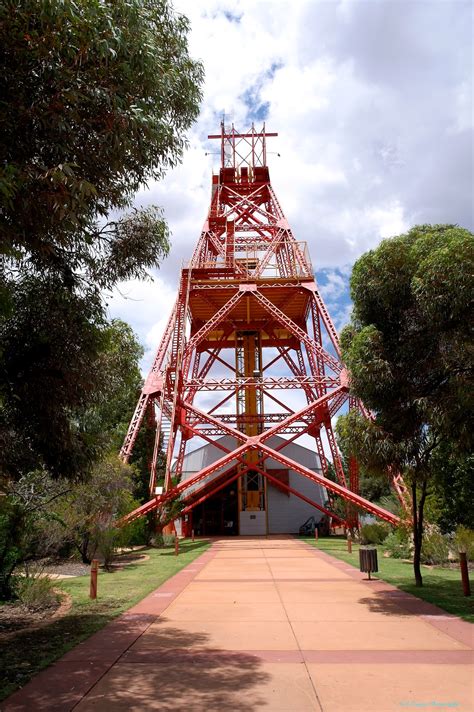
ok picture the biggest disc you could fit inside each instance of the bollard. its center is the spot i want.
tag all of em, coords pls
(464, 573)
(349, 545)
(192, 534)
(176, 546)
(94, 570)
(316, 533)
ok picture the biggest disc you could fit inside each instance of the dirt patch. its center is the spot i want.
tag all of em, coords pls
(66, 567)
(14, 617)
(126, 559)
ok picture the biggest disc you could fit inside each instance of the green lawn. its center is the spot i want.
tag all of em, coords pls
(30, 651)
(440, 586)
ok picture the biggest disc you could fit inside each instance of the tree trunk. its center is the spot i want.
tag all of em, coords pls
(83, 548)
(12, 552)
(6, 591)
(417, 561)
(416, 538)
(418, 516)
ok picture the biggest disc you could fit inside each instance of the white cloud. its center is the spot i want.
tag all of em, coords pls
(335, 286)
(388, 220)
(146, 306)
(373, 105)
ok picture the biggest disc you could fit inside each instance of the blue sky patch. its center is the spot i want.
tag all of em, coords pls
(232, 17)
(333, 285)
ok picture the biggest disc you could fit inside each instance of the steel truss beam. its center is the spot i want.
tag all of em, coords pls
(271, 479)
(246, 249)
(230, 384)
(235, 455)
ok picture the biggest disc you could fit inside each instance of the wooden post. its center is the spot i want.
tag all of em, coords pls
(349, 544)
(192, 534)
(176, 545)
(93, 586)
(464, 573)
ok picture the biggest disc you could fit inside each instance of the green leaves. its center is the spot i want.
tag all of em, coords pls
(68, 380)
(96, 99)
(50, 349)
(442, 285)
(409, 350)
(135, 242)
(410, 344)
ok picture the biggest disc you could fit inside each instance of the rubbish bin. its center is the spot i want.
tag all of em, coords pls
(368, 559)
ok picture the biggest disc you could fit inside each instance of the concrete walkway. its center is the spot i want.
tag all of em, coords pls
(266, 624)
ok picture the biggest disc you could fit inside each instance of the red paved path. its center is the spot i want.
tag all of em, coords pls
(266, 624)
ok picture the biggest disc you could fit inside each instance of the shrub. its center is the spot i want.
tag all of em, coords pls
(36, 592)
(373, 533)
(398, 544)
(463, 540)
(168, 539)
(435, 548)
(106, 540)
(133, 534)
(12, 545)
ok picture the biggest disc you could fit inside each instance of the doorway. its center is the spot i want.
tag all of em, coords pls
(218, 515)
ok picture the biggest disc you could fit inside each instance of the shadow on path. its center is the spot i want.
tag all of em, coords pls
(169, 668)
(33, 650)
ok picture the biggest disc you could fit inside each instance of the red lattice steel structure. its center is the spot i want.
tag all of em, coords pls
(249, 351)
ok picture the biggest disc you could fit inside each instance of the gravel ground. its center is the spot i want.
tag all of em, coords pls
(15, 617)
(67, 568)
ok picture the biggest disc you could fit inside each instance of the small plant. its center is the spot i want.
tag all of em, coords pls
(398, 544)
(168, 539)
(435, 548)
(373, 533)
(463, 541)
(36, 592)
(106, 540)
(134, 534)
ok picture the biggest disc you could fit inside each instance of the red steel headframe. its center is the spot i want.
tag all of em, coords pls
(247, 275)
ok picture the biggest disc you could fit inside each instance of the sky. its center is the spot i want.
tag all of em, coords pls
(373, 104)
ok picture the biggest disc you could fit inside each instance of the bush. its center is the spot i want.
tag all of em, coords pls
(373, 533)
(463, 540)
(133, 534)
(36, 592)
(398, 544)
(106, 540)
(168, 539)
(436, 546)
(12, 545)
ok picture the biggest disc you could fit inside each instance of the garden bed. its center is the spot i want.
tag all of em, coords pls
(15, 617)
(34, 647)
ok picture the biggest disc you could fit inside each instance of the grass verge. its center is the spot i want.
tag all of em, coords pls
(440, 586)
(28, 652)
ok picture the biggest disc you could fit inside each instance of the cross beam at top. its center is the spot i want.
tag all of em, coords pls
(242, 149)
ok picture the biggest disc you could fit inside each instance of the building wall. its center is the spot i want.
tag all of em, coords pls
(253, 523)
(287, 514)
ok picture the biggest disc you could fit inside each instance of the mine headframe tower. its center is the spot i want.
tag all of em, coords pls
(249, 351)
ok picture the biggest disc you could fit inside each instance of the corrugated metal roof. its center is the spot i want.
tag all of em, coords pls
(204, 456)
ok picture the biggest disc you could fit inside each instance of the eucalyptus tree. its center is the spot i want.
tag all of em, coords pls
(96, 99)
(409, 351)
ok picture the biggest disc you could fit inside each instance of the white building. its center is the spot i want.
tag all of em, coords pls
(267, 508)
